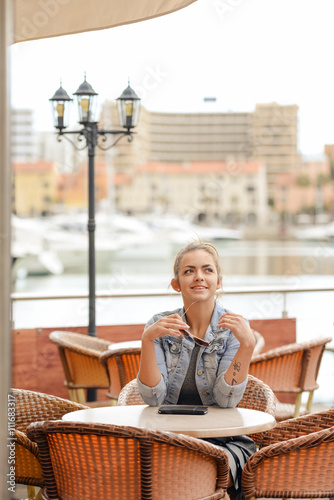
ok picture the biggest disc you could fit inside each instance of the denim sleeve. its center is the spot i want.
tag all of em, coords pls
(155, 396)
(225, 395)
(152, 396)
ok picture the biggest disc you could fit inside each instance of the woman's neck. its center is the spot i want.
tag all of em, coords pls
(199, 316)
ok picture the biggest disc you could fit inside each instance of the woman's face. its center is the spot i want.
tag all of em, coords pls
(198, 277)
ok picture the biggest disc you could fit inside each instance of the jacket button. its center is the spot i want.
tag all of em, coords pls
(173, 347)
(204, 393)
(199, 372)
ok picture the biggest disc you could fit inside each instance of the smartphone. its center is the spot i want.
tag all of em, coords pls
(183, 410)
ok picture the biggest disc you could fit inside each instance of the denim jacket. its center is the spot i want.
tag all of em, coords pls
(173, 356)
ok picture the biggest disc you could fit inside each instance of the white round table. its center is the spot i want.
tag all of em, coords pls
(217, 422)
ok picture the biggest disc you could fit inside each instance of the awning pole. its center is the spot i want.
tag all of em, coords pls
(6, 30)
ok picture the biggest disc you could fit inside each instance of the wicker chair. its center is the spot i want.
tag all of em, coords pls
(293, 369)
(257, 396)
(80, 356)
(121, 362)
(31, 407)
(296, 460)
(259, 343)
(85, 461)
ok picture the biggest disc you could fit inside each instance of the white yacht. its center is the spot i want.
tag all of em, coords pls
(60, 243)
(317, 232)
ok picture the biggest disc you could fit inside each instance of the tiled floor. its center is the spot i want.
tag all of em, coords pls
(20, 493)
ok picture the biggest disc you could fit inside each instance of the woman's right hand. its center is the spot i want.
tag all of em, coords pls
(167, 325)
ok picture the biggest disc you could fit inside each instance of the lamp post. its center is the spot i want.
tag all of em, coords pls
(128, 109)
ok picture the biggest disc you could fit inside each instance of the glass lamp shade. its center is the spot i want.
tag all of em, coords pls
(60, 102)
(128, 108)
(87, 103)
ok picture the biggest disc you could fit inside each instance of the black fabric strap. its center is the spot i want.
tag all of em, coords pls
(238, 492)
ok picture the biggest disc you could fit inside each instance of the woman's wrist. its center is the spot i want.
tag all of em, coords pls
(146, 339)
(246, 348)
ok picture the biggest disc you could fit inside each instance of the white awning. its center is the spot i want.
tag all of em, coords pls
(34, 19)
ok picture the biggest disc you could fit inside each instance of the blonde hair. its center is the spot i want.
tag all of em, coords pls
(191, 247)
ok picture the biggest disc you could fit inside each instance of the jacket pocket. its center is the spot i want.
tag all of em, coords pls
(216, 348)
(212, 356)
(172, 350)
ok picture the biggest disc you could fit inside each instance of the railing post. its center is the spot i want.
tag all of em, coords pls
(284, 312)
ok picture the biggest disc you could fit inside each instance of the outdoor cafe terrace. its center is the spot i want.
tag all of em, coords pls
(48, 360)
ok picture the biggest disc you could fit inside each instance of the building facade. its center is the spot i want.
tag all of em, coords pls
(310, 190)
(164, 158)
(268, 135)
(35, 188)
(208, 192)
(22, 134)
(40, 188)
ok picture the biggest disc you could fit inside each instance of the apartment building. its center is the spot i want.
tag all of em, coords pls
(211, 192)
(23, 139)
(34, 188)
(41, 188)
(274, 140)
(309, 190)
(72, 187)
(268, 135)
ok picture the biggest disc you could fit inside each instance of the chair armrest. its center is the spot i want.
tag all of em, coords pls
(297, 427)
(27, 465)
(260, 343)
(290, 349)
(23, 440)
(277, 351)
(80, 343)
(294, 468)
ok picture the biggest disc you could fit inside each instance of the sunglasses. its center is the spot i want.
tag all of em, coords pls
(198, 341)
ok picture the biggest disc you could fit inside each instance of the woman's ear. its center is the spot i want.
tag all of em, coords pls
(175, 285)
(219, 283)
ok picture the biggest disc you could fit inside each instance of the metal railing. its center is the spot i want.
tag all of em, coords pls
(16, 297)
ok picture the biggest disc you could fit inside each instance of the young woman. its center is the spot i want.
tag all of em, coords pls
(199, 354)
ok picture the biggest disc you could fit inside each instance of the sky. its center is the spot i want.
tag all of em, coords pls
(241, 52)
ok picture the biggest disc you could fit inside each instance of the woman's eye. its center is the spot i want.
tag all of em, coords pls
(188, 271)
(209, 269)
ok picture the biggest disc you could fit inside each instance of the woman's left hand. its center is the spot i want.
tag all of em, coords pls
(239, 327)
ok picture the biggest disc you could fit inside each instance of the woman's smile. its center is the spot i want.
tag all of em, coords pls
(198, 275)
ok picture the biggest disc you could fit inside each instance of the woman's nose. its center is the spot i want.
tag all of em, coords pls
(199, 277)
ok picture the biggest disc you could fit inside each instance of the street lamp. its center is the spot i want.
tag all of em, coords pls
(128, 108)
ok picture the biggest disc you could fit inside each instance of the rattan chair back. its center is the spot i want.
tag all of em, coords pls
(121, 362)
(85, 461)
(295, 461)
(292, 369)
(31, 407)
(129, 395)
(80, 354)
(259, 343)
(257, 396)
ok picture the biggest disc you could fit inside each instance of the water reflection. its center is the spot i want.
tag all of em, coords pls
(248, 258)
